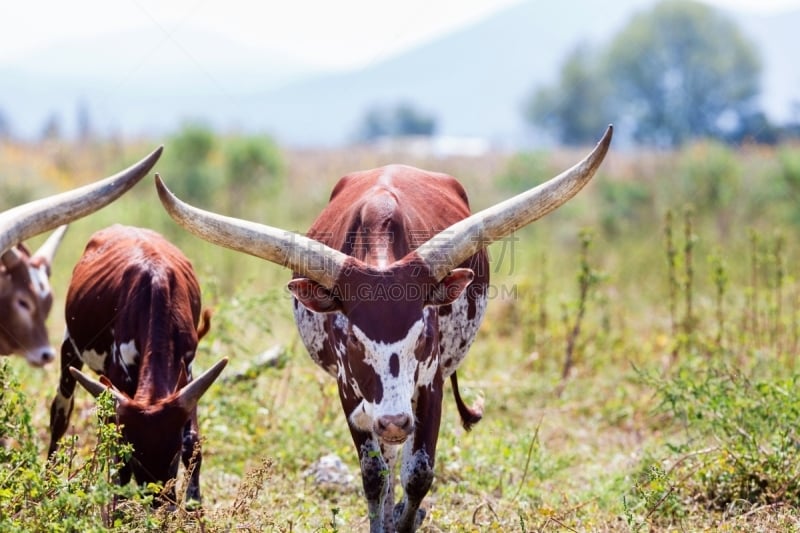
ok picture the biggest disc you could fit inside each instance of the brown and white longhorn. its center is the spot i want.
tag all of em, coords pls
(390, 287)
(25, 293)
(133, 316)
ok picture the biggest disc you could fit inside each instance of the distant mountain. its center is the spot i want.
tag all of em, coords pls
(474, 81)
(138, 82)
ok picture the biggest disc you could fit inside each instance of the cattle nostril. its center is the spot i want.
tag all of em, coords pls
(394, 425)
(48, 355)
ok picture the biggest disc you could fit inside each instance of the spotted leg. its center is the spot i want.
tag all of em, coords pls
(389, 452)
(61, 407)
(190, 458)
(374, 476)
(419, 453)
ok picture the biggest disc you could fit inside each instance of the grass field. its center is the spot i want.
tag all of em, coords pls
(672, 276)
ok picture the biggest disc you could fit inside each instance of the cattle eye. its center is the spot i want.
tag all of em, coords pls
(24, 304)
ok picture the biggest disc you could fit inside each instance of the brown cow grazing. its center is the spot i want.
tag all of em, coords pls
(25, 293)
(390, 286)
(134, 316)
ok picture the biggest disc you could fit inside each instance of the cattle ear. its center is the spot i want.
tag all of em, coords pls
(451, 287)
(314, 296)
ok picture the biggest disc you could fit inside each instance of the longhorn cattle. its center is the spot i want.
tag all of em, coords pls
(133, 315)
(25, 293)
(390, 286)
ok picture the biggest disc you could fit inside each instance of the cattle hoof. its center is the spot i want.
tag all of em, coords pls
(192, 504)
(399, 511)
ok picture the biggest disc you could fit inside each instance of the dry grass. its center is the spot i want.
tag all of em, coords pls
(539, 461)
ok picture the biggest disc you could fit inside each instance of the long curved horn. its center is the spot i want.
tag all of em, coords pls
(27, 220)
(454, 245)
(303, 255)
(95, 387)
(189, 395)
(48, 249)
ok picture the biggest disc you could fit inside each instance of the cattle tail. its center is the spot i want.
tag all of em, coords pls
(390, 287)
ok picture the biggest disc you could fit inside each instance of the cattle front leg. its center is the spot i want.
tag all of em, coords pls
(419, 453)
(375, 477)
(192, 457)
(63, 402)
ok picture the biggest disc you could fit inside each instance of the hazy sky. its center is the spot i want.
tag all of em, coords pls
(337, 34)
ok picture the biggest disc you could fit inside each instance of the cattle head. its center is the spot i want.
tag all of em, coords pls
(26, 299)
(389, 343)
(25, 294)
(155, 429)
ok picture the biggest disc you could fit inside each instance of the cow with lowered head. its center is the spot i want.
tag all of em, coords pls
(390, 286)
(134, 316)
(25, 293)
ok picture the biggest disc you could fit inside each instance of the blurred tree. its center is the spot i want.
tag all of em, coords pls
(5, 126)
(410, 121)
(683, 70)
(679, 71)
(253, 165)
(402, 119)
(187, 160)
(83, 121)
(576, 108)
(52, 128)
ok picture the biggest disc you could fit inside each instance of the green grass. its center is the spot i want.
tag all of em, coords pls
(678, 411)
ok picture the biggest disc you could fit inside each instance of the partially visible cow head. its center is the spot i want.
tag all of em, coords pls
(390, 350)
(25, 294)
(155, 429)
(26, 299)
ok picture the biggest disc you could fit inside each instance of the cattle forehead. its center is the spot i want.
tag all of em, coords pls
(384, 307)
(39, 281)
(378, 352)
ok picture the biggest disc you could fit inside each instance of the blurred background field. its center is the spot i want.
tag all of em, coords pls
(638, 361)
(604, 441)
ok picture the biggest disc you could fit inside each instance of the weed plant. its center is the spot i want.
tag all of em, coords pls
(659, 395)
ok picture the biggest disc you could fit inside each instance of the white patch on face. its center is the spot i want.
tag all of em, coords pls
(361, 417)
(40, 281)
(456, 332)
(397, 391)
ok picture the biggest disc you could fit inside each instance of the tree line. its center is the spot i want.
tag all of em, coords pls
(679, 71)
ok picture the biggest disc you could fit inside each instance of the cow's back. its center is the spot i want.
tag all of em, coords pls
(124, 289)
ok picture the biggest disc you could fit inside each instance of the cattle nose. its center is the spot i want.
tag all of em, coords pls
(48, 355)
(394, 429)
(41, 357)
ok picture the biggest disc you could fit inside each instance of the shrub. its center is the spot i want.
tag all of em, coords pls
(52, 494)
(740, 440)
